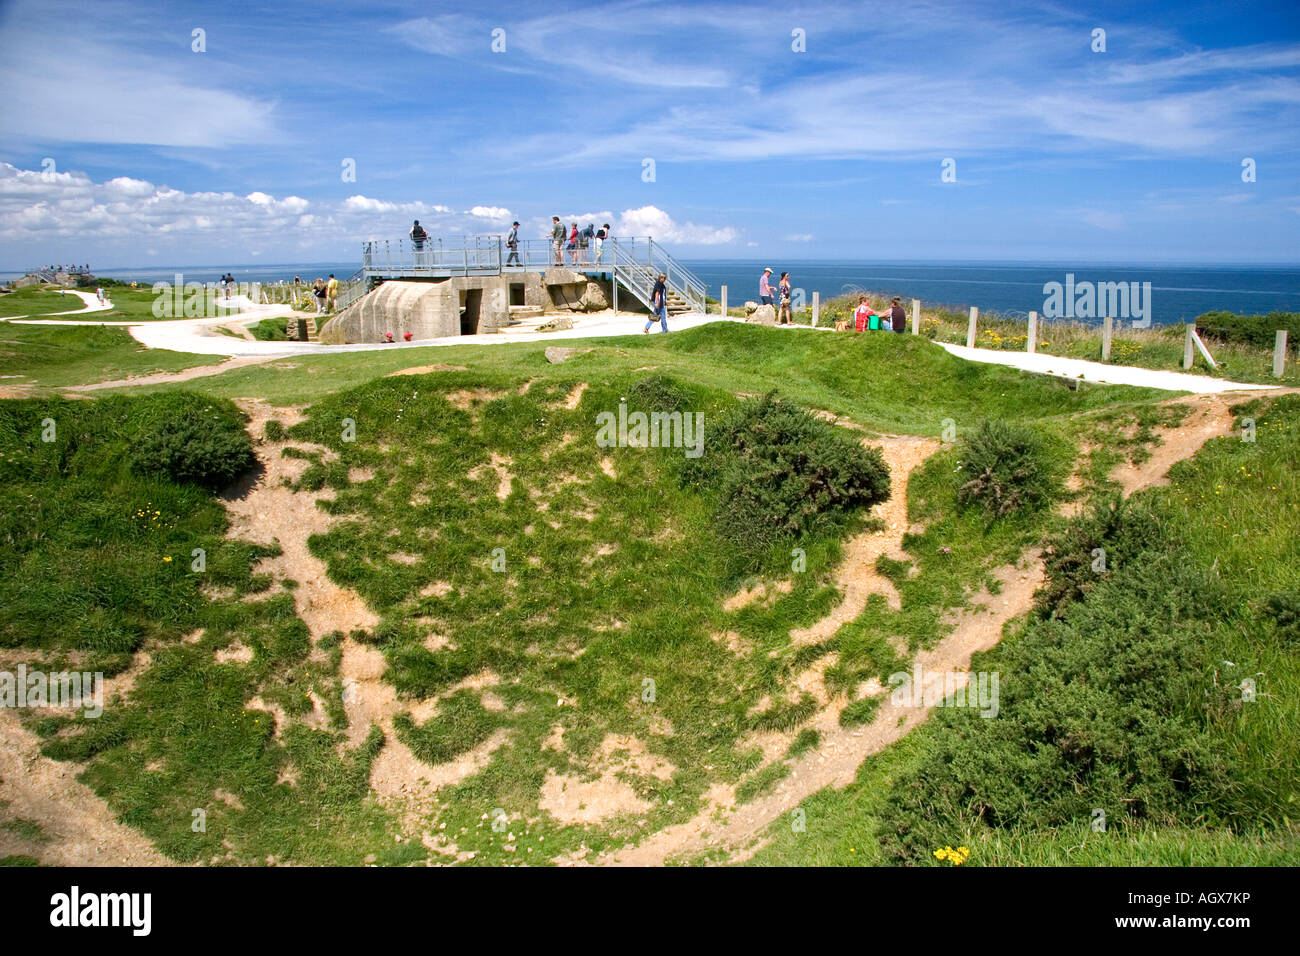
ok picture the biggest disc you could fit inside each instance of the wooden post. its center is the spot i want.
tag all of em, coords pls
(970, 329)
(1107, 330)
(1031, 343)
(817, 306)
(1279, 353)
(916, 316)
(615, 284)
(723, 303)
(1188, 328)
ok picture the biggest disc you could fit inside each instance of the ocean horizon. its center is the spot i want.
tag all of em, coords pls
(1178, 292)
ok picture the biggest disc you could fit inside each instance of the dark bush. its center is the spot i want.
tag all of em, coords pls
(1256, 330)
(1284, 609)
(191, 439)
(269, 330)
(1008, 470)
(780, 472)
(1121, 529)
(1103, 709)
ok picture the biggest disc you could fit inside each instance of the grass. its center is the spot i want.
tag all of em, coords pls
(136, 304)
(37, 300)
(557, 602)
(54, 356)
(1235, 509)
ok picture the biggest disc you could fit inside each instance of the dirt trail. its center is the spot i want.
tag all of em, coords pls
(735, 831)
(1209, 418)
(857, 576)
(266, 510)
(79, 828)
(184, 375)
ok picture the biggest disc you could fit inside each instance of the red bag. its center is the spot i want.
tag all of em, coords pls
(860, 321)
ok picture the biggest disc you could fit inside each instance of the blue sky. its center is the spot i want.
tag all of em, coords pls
(162, 155)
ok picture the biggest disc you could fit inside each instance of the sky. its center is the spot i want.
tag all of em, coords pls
(137, 134)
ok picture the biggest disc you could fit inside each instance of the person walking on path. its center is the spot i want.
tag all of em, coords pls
(783, 316)
(573, 244)
(318, 290)
(601, 235)
(512, 243)
(332, 293)
(100, 292)
(557, 240)
(765, 287)
(658, 305)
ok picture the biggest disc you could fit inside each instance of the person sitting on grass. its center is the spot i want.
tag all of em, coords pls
(897, 317)
(862, 314)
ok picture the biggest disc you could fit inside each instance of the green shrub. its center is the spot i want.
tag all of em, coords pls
(1120, 529)
(1105, 709)
(1284, 609)
(1008, 470)
(195, 442)
(269, 330)
(1257, 330)
(780, 473)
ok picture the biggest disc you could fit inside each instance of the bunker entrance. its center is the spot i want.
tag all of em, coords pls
(470, 313)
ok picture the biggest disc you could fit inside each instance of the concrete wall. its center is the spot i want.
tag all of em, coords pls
(425, 309)
(433, 309)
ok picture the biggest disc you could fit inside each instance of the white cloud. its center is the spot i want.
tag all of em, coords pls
(654, 222)
(800, 237)
(39, 210)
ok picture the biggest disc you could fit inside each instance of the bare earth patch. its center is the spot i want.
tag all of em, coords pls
(857, 576)
(1209, 418)
(80, 829)
(501, 465)
(424, 369)
(573, 800)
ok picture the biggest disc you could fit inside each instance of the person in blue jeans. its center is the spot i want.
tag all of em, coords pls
(659, 304)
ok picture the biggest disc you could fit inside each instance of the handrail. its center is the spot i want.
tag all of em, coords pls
(633, 261)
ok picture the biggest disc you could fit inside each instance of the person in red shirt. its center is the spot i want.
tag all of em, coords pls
(861, 314)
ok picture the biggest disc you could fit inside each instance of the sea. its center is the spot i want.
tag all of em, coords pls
(1177, 292)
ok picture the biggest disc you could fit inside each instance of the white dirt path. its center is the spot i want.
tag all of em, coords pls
(1101, 372)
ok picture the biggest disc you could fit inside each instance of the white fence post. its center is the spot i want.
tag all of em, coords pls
(817, 307)
(916, 316)
(1188, 330)
(1107, 329)
(970, 329)
(1031, 341)
(723, 303)
(1279, 353)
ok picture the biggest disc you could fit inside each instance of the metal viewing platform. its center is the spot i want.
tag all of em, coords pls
(630, 263)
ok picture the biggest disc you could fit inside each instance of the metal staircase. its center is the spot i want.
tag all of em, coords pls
(637, 263)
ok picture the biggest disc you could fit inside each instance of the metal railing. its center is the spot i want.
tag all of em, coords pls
(634, 262)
